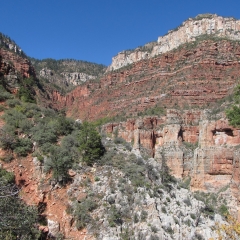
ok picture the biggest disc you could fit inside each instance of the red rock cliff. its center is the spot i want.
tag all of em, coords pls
(195, 74)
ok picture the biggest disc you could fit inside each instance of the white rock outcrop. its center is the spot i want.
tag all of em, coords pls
(76, 78)
(72, 78)
(209, 24)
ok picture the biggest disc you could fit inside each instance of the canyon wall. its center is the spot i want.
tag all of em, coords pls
(190, 144)
(194, 75)
(188, 32)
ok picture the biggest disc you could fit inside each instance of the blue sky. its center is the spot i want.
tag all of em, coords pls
(96, 30)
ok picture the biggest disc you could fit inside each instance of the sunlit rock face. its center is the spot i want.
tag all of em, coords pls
(190, 144)
(204, 24)
(11, 64)
(195, 74)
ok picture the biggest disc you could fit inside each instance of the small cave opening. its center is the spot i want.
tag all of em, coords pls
(229, 132)
(180, 135)
(153, 144)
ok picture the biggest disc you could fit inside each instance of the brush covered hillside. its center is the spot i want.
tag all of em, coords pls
(159, 158)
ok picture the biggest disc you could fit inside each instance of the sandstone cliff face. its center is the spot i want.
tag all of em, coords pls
(187, 32)
(194, 75)
(190, 144)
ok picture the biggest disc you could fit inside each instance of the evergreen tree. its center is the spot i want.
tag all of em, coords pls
(91, 148)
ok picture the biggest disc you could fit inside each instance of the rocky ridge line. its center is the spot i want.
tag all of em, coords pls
(209, 24)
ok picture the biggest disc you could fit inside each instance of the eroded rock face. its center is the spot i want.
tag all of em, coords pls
(194, 75)
(11, 64)
(69, 78)
(187, 32)
(189, 144)
(77, 78)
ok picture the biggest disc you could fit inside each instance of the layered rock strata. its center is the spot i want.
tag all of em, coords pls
(196, 74)
(204, 24)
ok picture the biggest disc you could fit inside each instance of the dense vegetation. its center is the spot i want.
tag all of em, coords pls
(59, 142)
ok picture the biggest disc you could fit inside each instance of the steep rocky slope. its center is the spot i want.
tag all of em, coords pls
(124, 196)
(195, 74)
(192, 144)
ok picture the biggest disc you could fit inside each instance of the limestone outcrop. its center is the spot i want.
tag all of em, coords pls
(69, 78)
(67, 73)
(203, 24)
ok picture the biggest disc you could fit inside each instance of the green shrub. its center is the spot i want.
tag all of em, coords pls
(233, 113)
(7, 137)
(23, 146)
(135, 218)
(187, 201)
(6, 177)
(97, 179)
(119, 140)
(44, 133)
(223, 210)
(2, 108)
(14, 117)
(154, 229)
(7, 158)
(81, 212)
(71, 144)
(4, 94)
(169, 230)
(209, 210)
(13, 102)
(25, 94)
(164, 210)
(25, 126)
(59, 161)
(144, 215)
(193, 216)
